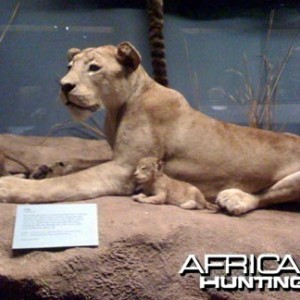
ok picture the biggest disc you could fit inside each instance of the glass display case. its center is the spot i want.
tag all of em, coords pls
(235, 65)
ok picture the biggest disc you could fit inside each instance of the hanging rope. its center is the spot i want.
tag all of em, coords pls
(156, 40)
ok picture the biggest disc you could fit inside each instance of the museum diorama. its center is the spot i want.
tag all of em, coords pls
(148, 150)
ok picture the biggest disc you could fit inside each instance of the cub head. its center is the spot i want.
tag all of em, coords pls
(147, 169)
(98, 78)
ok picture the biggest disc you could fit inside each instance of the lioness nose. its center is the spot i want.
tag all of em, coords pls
(67, 87)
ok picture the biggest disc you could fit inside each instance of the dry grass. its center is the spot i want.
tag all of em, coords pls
(193, 75)
(261, 98)
(13, 16)
(95, 128)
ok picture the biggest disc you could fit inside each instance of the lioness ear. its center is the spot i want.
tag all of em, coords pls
(72, 52)
(127, 55)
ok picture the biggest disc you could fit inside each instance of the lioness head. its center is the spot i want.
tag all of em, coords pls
(147, 169)
(98, 77)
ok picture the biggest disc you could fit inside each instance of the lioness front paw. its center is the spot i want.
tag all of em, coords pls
(236, 202)
(4, 190)
(14, 190)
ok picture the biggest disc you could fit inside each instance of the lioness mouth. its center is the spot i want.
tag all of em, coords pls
(92, 108)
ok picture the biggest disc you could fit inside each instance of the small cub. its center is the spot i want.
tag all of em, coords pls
(159, 188)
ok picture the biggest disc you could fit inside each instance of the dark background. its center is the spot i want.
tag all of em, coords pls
(204, 40)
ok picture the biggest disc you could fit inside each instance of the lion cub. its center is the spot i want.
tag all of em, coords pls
(159, 188)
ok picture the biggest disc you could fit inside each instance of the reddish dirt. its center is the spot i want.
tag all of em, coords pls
(142, 248)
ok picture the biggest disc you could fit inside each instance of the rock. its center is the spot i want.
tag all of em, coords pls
(142, 248)
(36, 151)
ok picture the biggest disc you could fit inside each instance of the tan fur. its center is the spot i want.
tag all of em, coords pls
(53, 170)
(3, 157)
(3, 171)
(239, 167)
(63, 168)
(159, 188)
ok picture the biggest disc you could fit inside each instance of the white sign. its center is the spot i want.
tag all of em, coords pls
(55, 225)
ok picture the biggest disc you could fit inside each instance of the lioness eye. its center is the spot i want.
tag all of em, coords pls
(69, 67)
(94, 68)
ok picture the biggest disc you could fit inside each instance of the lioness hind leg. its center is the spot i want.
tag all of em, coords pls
(238, 202)
(189, 204)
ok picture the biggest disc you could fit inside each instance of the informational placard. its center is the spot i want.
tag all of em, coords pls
(55, 225)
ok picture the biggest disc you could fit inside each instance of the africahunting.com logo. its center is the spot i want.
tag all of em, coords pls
(234, 272)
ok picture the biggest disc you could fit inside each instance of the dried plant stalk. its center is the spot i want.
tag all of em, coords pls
(262, 100)
(13, 16)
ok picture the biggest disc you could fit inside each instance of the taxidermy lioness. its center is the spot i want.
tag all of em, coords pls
(241, 168)
(159, 188)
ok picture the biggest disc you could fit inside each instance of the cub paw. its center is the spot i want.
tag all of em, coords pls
(236, 202)
(139, 197)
